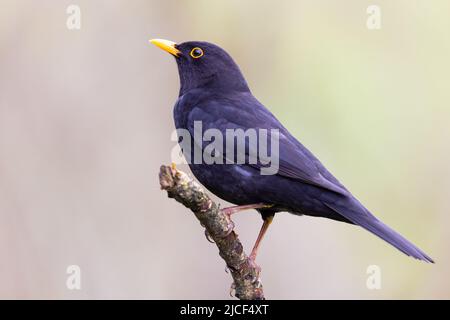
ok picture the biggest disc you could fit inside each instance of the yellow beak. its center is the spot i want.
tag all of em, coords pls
(166, 45)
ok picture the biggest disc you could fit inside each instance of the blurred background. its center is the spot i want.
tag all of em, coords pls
(86, 120)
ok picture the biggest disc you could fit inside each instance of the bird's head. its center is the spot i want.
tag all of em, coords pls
(204, 65)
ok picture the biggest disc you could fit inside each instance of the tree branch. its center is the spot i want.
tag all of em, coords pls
(218, 225)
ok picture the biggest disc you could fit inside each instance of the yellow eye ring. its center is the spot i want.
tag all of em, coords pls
(196, 53)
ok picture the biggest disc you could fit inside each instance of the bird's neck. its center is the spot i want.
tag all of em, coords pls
(224, 82)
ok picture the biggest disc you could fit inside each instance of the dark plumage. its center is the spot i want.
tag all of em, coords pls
(214, 91)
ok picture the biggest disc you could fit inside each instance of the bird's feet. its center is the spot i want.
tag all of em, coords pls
(252, 263)
(232, 210)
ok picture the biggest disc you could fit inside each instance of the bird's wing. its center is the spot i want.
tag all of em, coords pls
(295, 161)
(297, 164)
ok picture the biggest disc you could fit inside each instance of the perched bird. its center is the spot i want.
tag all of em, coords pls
(214, 91)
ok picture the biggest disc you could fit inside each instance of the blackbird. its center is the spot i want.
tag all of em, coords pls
(213, 91)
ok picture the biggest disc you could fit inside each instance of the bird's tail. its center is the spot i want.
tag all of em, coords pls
(372, 224)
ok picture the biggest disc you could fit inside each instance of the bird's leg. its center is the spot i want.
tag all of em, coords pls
(262, 232)
(235, 209)
(232, 210)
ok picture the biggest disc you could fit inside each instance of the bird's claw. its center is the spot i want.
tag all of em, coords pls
(208, 237)
(252, 264)
(230, 229)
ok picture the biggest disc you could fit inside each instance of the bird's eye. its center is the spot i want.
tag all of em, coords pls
(196, 53)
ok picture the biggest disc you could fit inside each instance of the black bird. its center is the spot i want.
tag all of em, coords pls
(214, 91)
